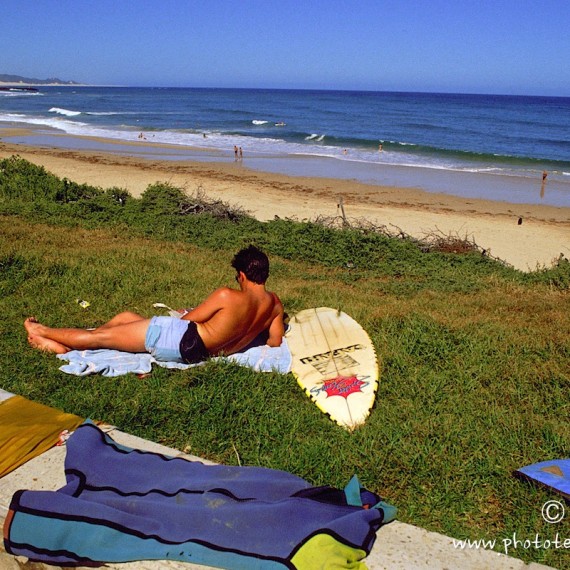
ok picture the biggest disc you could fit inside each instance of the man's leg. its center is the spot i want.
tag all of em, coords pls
(129, 337)
(123, 318)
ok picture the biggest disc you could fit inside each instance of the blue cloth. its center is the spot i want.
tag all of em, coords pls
(553, 474)
(163, 338)
(116, 363)
(121, 505)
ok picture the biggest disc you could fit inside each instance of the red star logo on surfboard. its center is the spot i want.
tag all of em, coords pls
(342, 386)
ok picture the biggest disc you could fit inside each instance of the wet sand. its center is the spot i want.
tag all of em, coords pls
(526, 236)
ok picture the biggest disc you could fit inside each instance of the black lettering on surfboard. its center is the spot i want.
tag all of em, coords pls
(337, 352)
(333, 365)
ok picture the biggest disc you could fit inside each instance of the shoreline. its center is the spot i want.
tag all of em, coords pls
(515, 188)
(538, 241)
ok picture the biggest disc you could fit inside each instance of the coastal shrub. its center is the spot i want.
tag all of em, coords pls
(199, 203)
(557, 277)
(70, 191)
(364, 252)
(162, 198)
(118, 196)
(167, 212)
(21, 180)
(106, 206)
(332, 247)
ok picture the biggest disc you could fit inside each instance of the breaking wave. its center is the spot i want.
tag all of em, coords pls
(65, 112)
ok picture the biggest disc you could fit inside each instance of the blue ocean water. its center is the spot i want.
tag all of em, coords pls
(509, 139)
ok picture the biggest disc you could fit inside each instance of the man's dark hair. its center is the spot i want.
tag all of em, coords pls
(253, 262)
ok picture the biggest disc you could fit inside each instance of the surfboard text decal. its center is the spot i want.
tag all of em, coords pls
(331, 354)
(340, 386)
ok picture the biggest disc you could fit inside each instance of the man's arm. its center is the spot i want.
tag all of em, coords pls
(208, 308)
(277, 326)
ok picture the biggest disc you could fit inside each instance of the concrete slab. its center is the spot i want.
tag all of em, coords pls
(5, 395)
(43, 473)
(140, 443)
(399, 546)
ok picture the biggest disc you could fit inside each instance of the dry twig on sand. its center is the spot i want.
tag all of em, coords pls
(199, 203)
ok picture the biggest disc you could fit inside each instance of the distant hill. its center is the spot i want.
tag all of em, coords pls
(15, 79)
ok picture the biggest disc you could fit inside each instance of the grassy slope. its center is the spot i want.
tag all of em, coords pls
(475, 357)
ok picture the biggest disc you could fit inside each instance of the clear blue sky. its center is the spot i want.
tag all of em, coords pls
(469, 46)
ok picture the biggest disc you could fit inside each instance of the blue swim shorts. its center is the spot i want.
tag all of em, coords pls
(163, 338)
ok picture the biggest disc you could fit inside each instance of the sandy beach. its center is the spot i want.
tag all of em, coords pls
(525, 236)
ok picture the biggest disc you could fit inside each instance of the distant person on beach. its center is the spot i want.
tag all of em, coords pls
(380, 147)
(226, 322)
(240, 153)
(236, 151)
(544, 175)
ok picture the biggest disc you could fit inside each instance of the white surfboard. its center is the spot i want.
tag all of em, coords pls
(335, 363)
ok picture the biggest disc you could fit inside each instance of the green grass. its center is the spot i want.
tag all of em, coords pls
(475, 356)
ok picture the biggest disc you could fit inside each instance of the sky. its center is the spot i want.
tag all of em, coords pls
(519, 47)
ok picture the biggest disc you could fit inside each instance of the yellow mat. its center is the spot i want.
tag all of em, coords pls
(27, 429)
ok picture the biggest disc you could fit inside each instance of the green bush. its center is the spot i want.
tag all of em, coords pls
(23, 181)
(557, 276)
(167, 212)
(162, 199)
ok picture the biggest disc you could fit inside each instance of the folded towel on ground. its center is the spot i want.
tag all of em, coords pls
(27, 429)
(121, 504)
(261, 358)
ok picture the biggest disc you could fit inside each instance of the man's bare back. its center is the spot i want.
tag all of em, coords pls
(228, 320)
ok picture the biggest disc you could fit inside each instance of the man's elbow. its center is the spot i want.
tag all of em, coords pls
(274, 342)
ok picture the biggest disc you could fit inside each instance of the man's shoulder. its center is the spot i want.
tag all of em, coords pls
(276, 299)
(225, 293)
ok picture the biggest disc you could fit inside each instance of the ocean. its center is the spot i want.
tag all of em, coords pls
(481, 146)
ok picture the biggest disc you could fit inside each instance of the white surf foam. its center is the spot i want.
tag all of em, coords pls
(20, 94)
(71, 127)
(65, 112)
(256, 146)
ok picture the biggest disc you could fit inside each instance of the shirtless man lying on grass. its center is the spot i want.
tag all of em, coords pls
(226, 322)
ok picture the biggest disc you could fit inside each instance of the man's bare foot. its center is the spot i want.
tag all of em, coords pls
(32, 326)
(46, 344)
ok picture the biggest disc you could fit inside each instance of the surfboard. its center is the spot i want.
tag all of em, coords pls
(334, 361)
